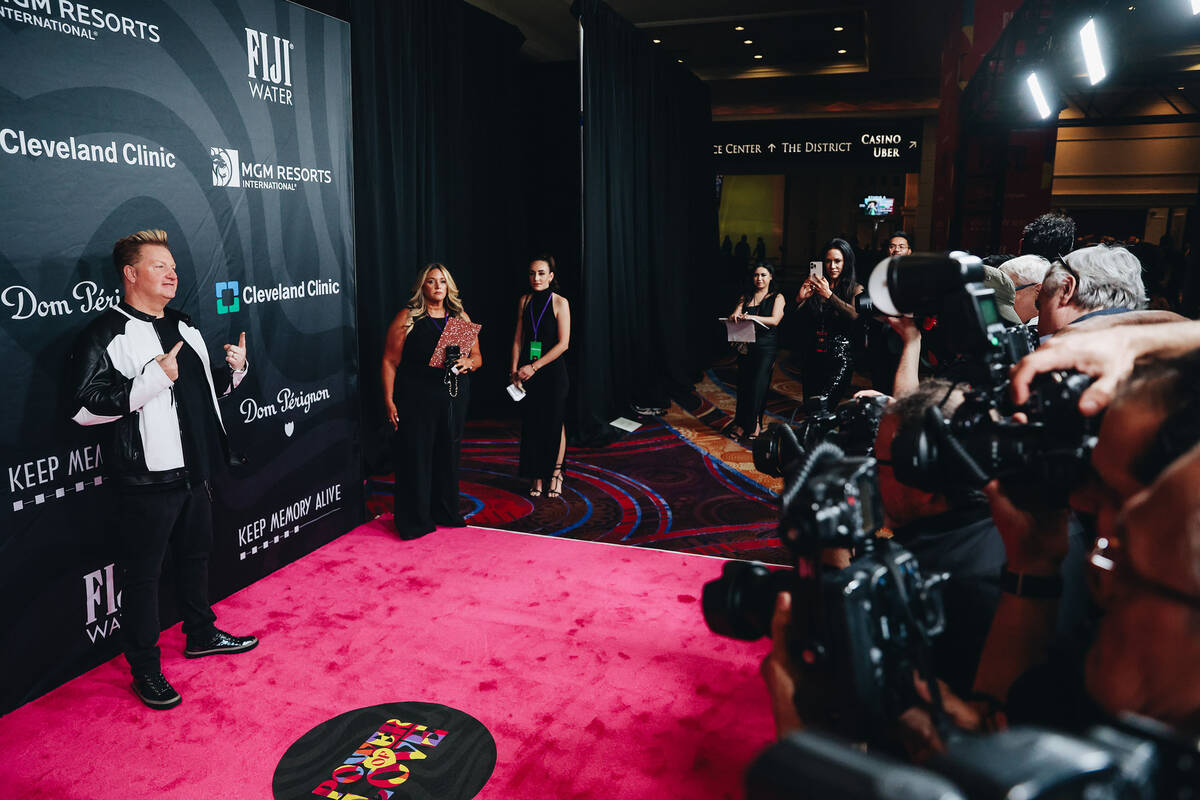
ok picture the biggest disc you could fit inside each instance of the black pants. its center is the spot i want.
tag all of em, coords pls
(829, 373)
(754, 379)
(425, 453)
(150, 522)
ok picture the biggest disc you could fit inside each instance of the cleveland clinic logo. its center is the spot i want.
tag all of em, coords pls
(226, 167)
(227, 297)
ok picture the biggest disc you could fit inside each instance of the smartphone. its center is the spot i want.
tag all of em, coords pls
(816, 269)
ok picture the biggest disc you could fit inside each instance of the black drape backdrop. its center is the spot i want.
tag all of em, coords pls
(645, 321)
(438, 167)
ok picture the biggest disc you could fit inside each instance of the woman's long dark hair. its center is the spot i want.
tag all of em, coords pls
(771, 292)
(844, 288)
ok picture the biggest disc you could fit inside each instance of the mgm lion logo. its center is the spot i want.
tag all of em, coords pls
(226, 169)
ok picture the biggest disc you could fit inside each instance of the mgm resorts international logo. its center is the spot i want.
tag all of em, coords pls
(229, 170)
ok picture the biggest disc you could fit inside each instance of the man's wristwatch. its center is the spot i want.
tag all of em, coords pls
(1037, 586)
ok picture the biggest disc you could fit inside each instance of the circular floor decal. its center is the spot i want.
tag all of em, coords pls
(394, 751)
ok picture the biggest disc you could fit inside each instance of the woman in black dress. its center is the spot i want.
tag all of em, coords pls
(827, 304)
(764, 306)
(542, 337)
(426, 405)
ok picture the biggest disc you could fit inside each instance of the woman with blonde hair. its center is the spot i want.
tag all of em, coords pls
(426, 406)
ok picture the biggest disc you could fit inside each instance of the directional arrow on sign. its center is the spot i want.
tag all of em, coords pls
(912, 144)
(771, 147)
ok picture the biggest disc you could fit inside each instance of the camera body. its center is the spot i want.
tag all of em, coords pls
(1039, 461)
(860, 630)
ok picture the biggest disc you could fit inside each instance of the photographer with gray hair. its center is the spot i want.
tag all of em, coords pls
(1088, 283)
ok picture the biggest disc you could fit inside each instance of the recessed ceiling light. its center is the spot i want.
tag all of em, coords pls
(758, 56)
(838, 28)
(739, 27)
(747, 41)
(841, 52)
(680, 60)
(657, 41)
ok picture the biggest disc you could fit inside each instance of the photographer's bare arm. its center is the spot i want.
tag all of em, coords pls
(1106, 353)
(1023, 627)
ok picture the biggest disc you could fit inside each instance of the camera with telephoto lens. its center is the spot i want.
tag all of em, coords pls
(851, 426)
(1128, 758)
(859, 631)
(1038, 461)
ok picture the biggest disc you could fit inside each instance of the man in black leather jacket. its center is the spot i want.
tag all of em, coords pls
(143, 369)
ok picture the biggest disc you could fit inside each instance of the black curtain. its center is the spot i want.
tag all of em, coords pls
(644, 322)
(437, 144)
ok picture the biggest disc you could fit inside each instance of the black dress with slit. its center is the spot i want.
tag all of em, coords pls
(428, 437)
(544, 407)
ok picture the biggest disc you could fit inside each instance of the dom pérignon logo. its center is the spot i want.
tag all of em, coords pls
(389, 751)
(226, 167)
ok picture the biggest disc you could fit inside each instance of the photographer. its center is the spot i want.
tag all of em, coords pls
(1148, 565)
(1088, 283)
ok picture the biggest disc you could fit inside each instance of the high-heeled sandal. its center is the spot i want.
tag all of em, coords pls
(535, 489)
(559, 474)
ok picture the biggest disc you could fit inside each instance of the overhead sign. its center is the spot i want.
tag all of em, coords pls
(778, 145)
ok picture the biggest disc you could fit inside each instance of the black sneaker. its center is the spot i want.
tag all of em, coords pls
(156, 692)
(219, 642)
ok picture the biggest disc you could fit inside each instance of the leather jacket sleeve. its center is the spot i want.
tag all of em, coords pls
(100, 393)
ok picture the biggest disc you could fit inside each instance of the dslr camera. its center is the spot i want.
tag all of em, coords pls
(1039, 460)
(858, 632)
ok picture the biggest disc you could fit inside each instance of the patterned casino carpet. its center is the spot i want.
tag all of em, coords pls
(677, 483)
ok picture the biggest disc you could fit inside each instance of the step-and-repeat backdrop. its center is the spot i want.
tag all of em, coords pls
(227, 124)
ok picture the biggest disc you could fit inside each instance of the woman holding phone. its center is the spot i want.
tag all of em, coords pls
(763, 306)
(542, 336)
(826, 301)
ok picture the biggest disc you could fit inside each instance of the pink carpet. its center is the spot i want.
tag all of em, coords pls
(590, 665)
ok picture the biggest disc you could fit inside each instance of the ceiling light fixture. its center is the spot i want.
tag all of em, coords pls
(739, 27)
(841, 52)
(1195, 7)
(839, 28)
(747, 41)
(680, 60)
(1039, 99)
(1091, 52)
(657, 41)
(758, 56)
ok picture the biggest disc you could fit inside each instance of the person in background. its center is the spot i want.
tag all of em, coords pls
(884, 345)
(763, 306)
(1091, 282)
(429, 430)
(1050, 236)
(143, 369)
(1027, 273)
(826, 302)
(541, 339)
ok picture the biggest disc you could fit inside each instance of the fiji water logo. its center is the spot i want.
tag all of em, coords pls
(226, 167)
(269, 67)
(227, 297)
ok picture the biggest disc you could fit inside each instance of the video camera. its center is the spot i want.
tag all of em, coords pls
(859, 631)
(1039, 460)
(1130, 758)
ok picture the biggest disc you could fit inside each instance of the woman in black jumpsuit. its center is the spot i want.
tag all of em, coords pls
(764, 306)
(426, 406)
(827, 304)
(542, 337)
